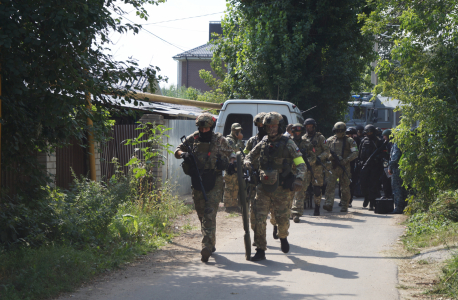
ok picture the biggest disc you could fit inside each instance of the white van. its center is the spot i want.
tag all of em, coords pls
(243, 111)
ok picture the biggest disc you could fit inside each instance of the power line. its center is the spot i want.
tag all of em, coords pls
(154, 34)
(184, 18)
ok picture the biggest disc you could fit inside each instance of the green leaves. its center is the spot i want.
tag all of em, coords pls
(419, 66)
(310, 53)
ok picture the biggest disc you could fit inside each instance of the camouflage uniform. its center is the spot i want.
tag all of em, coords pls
(207, 164)
(231, 188)
(250, 144)
(349, 153)
(399, 191)
(274, 154)
(306, 149)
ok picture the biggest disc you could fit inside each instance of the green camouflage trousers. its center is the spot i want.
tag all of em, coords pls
(208, 221)
(279, 203)
(299, 197)
(338, 173)
(231, 190)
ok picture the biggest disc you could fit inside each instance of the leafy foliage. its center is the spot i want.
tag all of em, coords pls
(53, 54)
(419, 66)
(150, 141)
(309, 53)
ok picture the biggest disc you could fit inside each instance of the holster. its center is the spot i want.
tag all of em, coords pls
(287, 181)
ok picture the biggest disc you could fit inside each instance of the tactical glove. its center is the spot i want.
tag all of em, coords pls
(231, 169)
(297, 185)
(318, 161)
(247, 166)
(219, 162)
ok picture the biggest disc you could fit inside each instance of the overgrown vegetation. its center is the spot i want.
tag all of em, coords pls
(91, 228)
(437, 227)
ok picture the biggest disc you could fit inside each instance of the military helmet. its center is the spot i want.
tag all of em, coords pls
(310, 121)
(359, 127)
(298, 127)
(386, 132)
(205, 120)
(370, 128)
(236, 126)
(379, 130)
(351, 130)
(274, 118)
(258, 118)
(339, 126)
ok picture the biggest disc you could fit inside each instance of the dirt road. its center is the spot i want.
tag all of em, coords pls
(334, 256)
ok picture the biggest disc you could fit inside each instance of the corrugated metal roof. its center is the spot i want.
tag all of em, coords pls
(204, 51)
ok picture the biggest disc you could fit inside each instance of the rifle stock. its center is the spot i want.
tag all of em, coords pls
(336, 159)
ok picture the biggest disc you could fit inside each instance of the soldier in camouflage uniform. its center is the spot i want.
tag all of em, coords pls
(346, 150)
(253, 141)
(399, 191)
(212, 153)
(231, 188)
(276, 155)
(306, 149)
(321, 150)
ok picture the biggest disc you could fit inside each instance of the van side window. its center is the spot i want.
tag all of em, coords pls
(285, 119)
(246, 120)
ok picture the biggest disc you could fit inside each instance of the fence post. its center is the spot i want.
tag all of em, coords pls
(90, 138)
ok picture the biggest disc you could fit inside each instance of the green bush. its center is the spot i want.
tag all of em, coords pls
(448, 284)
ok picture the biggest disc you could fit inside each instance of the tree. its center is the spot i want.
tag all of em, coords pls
(420, 68)
(307, 52)
(52, 54)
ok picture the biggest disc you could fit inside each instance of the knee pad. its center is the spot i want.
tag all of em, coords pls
(317, 191)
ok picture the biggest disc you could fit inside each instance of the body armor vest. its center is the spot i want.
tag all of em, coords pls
(274, 154)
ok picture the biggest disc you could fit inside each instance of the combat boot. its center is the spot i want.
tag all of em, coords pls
(284, 245)
(317, 210)
(365, 203)
(260, 255)
(206, 253)
(275, 232)
(344, 209)
(296, 218)
(213, 249)
(327, 207)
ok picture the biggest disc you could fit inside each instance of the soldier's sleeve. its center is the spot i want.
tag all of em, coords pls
(225, 148)
(254, 154)
(328, 145)
(395, 155)
(296, 154)
(324, 144)
(249, 146)
(182, 147)
(353, 150)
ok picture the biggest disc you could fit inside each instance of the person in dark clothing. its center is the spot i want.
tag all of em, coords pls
(351, 132)
(385, 180)
(370, 161)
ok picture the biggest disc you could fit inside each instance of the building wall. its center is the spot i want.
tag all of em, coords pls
(193, 79)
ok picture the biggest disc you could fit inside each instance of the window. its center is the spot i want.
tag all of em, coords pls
(285, 119)
(246, 120)
(357, 113)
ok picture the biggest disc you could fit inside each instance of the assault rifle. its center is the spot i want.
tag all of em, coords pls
(337, 161)
(307, 163)
(208, 209)
(373, 154)
(251, 178)
(321, 163)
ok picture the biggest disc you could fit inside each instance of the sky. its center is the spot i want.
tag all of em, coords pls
(186, 34)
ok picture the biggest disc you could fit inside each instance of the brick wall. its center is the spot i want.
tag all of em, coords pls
(194, 80)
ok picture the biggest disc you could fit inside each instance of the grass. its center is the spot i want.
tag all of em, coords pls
(233, 215)
(448, 284)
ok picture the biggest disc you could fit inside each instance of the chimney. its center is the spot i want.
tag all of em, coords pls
(215, 26)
